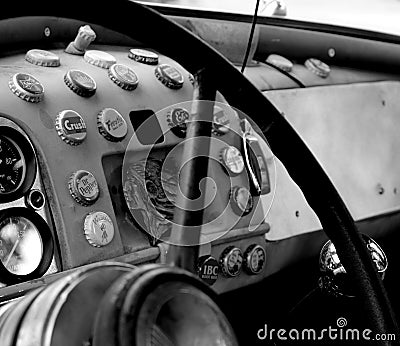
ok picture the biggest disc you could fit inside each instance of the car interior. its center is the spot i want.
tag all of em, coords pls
(177, 176)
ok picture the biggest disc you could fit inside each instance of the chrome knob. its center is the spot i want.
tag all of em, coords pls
(334, 279)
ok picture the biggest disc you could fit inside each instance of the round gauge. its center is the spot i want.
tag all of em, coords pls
(21, 246)
(26, 246)
(12, 166)
(231, 261)
(17, 164)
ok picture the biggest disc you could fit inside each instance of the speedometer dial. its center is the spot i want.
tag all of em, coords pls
(12, 166)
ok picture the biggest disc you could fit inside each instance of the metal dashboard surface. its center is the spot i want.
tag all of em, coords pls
(58, 159)
(353, 130)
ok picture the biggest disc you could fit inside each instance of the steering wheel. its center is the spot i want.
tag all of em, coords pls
(154, 30)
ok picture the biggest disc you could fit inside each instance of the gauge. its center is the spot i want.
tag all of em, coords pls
(17, 163)
(12, 166)
(26, 246)
(21, 247)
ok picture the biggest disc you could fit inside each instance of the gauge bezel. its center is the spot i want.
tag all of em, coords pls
(43, 228)
(26, 148)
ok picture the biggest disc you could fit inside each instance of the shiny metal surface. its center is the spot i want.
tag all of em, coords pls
(334, 278)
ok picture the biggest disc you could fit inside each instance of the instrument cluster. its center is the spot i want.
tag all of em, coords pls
(26, 240)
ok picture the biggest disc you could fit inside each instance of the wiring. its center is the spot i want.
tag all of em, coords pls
(246, 56)
(253, 26)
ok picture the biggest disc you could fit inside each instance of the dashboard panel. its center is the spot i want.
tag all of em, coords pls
(79, 140)
(91, 121)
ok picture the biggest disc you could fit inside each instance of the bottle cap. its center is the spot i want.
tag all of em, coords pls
(123, 76)
(99, 58)
(143, 56)
(241, 200)
(254, 259)
(231, 261)
(80, 83)
(42, 58)
(318, 67)
(232, 159)
(280, 61)
(71, 127)
(177, 119)
(208, 269)
(26, 87)
(83, 187)
(112, 125)
(98, 228)
(169, 76)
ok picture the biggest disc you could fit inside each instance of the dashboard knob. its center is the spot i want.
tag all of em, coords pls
(280, 62)
(35, 199)
(80, 83)
(26, 87)
(82, 40)
(98, 228)
(112, 126)
(99, 58)
(241, 200)
(123, 76)
(83, 187)
(169, 76)
(143, 56)
(318, 67)
(254, 259)
(71, 127)
(232, 159)
(42, 58)
(231, 261)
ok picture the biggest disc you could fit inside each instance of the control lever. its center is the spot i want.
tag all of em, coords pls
(250, 158)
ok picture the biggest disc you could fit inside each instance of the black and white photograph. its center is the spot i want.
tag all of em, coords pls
(199, 173)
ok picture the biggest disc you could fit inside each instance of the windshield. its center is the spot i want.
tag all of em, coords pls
(376, 15)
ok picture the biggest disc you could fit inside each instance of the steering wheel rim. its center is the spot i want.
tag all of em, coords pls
(167, 37)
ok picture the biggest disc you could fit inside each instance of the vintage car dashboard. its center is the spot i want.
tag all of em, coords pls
(70, 194)
(67, 122)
